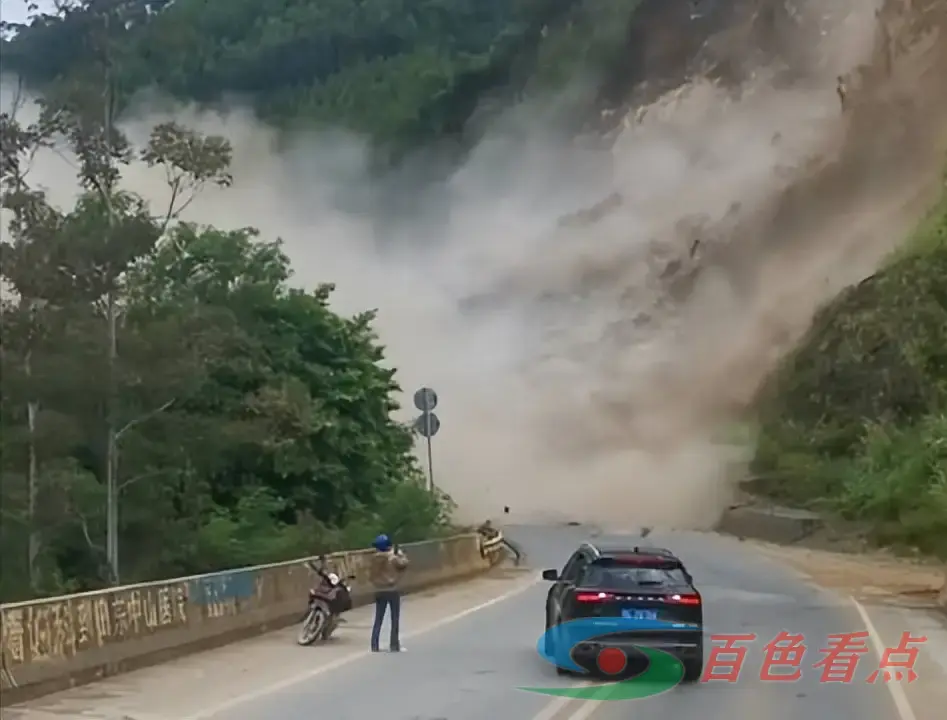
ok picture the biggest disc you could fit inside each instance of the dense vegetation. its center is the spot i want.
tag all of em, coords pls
(168, 372)
(400, 71)
(170, 405)
(855, 423)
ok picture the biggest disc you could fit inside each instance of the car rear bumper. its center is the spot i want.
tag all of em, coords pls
(685, 645)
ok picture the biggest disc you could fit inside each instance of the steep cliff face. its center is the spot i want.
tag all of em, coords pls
(723, 40)
(622, 299)
(724, 66)
(853, 420)
(728, 211)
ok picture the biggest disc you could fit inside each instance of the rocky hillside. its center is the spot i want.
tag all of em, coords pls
(738, 178)
(413, 72)
(855, 421)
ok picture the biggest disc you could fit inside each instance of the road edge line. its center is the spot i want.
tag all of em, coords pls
(898, 695)
(352, 657)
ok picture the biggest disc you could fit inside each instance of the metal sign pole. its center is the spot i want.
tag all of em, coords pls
(425, 400)
(430, 461)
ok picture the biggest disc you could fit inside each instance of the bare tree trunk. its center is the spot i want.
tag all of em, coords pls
(30, 306)
(32, 480)
(111, 452)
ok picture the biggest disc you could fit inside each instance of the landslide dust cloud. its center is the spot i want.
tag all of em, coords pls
(578, 377)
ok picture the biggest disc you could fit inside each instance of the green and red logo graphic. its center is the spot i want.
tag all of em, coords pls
(560, 644)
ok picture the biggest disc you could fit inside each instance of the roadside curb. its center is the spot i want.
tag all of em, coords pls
(55, 644)
(769, 523)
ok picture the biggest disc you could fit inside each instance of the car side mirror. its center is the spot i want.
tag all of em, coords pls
(551, 575)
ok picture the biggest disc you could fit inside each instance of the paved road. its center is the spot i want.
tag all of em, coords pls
(471, 647)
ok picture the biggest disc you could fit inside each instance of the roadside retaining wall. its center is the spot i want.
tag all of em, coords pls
(53, 644)
(771, 524)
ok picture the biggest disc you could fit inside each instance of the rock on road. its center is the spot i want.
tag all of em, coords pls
(471, 646)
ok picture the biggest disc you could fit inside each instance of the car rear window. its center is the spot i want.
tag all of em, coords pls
(619, 577)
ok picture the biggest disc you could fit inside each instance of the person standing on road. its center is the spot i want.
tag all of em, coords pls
(387, 566)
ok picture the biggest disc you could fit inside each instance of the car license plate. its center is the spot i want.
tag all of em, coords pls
(639, 614)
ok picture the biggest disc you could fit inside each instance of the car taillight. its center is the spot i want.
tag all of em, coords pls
(586, 597)
(684, 599)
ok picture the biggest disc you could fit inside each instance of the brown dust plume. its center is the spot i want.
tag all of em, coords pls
(588, 366)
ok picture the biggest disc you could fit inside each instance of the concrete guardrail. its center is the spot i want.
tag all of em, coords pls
(57, 643)
(783, 526)
(769, 523)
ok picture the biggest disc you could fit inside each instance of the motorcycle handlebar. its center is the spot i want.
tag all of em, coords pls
(311, 564)
(321, 572)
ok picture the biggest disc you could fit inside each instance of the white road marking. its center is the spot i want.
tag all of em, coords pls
(898, 695)
(553, 708)
(352, 657)
(901, 704)
(585, 710)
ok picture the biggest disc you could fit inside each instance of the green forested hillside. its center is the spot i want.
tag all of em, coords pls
(167, 372)
(855, 422)
(403, 71)
(171, 374)
(170, 404)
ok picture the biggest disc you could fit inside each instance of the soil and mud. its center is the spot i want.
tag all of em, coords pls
(874, 576)
(896, 119)
(788, 192)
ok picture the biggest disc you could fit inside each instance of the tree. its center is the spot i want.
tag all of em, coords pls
(86, 255)
(169, 371)
(401, 72)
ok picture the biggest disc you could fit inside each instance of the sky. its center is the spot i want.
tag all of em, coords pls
(14, 11)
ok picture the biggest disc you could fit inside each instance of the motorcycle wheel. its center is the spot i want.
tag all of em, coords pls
(312, 627)
(328, 630)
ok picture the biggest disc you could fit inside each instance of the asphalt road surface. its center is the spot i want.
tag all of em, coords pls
(471, 647)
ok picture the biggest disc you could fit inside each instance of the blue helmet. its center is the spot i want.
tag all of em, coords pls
(382, 542)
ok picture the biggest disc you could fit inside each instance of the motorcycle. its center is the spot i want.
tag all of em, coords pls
(327, 601)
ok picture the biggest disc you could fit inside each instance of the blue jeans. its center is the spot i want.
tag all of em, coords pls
(383, 600)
